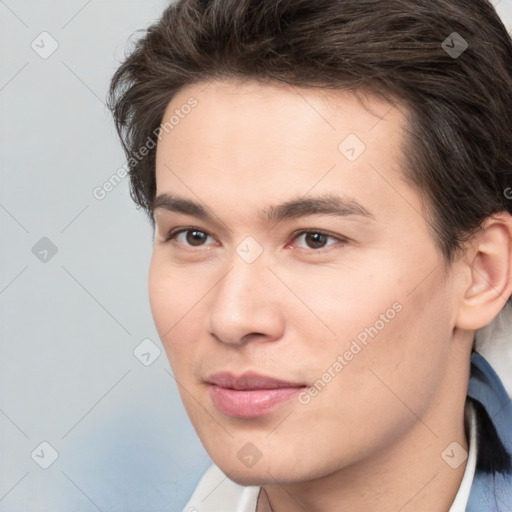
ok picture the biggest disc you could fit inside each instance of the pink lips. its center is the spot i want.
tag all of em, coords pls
(250, 395)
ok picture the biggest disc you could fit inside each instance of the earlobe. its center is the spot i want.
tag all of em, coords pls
(489, 265)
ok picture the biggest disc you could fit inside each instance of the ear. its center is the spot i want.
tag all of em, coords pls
(489, 267)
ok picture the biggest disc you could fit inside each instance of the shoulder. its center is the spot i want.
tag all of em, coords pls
(215, 491)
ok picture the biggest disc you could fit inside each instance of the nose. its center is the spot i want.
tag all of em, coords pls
(246, 305)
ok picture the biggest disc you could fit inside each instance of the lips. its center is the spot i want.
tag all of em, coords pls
(250, 395)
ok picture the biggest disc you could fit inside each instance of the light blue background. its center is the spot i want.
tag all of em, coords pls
(68, 375)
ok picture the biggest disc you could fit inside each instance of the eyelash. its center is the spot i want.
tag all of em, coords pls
(174, 233)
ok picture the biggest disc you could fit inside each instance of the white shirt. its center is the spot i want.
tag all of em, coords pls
(217, 493)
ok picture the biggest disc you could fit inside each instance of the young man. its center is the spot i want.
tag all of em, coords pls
(330, 186)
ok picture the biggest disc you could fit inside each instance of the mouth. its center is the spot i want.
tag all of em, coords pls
(250, 395)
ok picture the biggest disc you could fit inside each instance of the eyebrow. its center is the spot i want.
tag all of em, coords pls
(327, 204)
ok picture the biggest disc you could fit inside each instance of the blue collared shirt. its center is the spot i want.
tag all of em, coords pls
(492, 485)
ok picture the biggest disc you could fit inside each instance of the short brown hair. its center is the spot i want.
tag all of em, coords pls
(458, 103)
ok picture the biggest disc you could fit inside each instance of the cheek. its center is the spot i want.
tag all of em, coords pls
(338, 304)
(386, 334)
(172, 301)
(402, 360)
(161, 296)
(369, 401)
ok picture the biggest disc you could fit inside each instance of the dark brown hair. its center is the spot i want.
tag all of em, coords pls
(458, 100)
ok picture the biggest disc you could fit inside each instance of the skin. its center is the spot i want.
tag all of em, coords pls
(372, 439)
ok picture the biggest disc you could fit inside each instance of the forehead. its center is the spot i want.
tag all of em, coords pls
(265, 110)
(266, 142)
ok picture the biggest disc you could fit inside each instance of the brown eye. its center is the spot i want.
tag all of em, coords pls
(315, 240)
(189, 237)
(195, 238)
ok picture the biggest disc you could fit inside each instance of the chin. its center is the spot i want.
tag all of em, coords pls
(248, 478)
(260, 474)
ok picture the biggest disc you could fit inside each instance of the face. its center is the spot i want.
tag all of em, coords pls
(294, 282)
